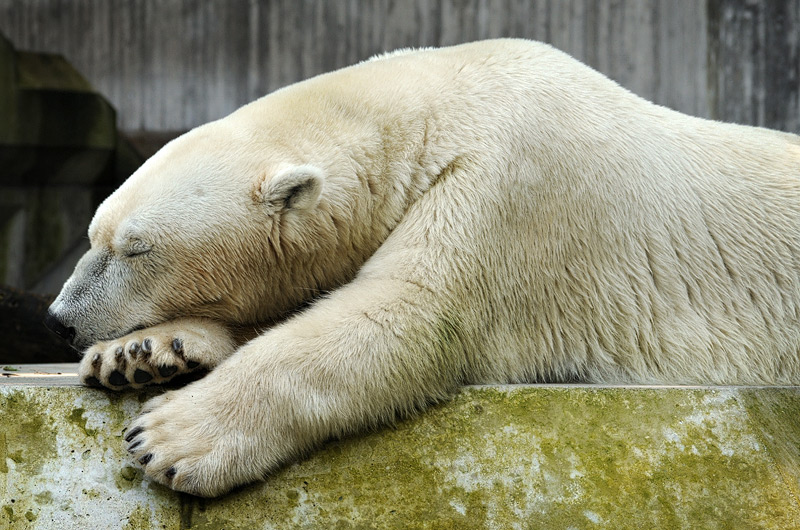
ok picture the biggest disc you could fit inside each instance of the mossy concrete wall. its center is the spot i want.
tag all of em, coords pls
(493, 457)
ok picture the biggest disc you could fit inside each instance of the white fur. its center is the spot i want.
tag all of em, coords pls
(491, 212)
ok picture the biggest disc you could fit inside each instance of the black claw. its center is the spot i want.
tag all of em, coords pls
(133, 447)
(167, 371)
(177, 346)
(92, 381)
(119, 358)
(140, 376)
(134, 349)
(117, 379)
(96, 361)
(133, 434)
(191, 365)
(146, 459)
(147, 346)
(171, 473)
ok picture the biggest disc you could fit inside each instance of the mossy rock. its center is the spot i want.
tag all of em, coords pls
(493, 457)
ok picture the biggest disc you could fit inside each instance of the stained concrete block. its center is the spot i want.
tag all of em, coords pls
(60, 155)
(59, 130)
(493, 457)
(8, 95)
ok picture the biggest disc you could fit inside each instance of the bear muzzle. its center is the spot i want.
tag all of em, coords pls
(54, 324)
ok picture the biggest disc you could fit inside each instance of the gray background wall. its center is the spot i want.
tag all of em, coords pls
(169, 65)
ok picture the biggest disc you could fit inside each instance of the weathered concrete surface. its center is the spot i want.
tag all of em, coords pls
(494, 457)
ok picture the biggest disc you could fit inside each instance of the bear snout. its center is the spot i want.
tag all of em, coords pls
(54, 324)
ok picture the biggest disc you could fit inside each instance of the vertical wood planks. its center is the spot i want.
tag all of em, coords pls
(171, 65)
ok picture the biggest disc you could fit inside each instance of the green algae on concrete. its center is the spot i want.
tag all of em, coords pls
(493, 457)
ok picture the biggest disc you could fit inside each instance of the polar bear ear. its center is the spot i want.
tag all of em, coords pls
(296, 187)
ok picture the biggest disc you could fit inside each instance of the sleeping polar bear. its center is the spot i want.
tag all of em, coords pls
(485, 213)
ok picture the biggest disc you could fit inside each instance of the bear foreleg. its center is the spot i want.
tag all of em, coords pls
(373, 350)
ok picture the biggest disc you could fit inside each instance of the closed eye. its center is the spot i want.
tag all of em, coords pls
(137, 247)
(134, 253)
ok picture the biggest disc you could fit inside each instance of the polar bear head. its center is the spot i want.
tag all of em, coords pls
(217, 224)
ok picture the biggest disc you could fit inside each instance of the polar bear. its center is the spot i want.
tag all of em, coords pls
(358, 245)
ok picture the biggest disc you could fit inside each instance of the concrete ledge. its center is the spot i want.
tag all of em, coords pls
(493, 457)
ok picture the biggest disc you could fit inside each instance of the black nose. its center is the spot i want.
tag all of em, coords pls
(56, 326)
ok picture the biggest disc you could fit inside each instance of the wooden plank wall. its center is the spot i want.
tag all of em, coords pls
(169, 65)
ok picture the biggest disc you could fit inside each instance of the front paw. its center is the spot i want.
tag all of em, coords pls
(241, 421)
(155, 355)
(189, 441)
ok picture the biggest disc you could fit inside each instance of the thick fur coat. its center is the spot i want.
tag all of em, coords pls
(359, 245)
